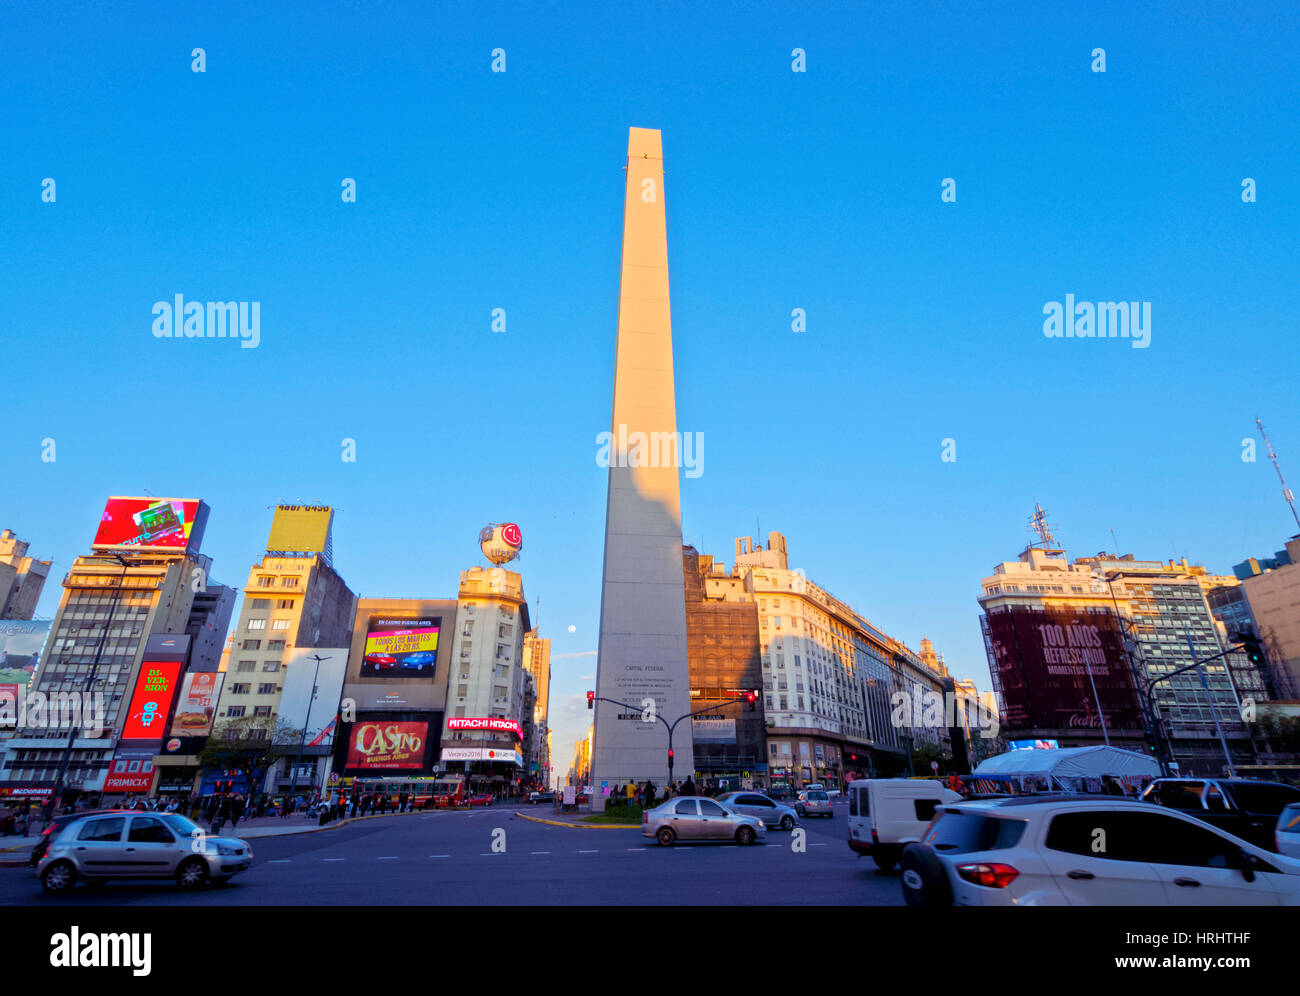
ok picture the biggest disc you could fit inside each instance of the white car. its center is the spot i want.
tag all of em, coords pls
(1288, 831)
(1097, 851)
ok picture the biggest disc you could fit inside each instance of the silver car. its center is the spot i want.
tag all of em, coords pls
(694, 818)
(771, 812)
(132, 844)
(814, 802)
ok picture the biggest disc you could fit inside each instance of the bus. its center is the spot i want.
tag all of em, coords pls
(450, 791)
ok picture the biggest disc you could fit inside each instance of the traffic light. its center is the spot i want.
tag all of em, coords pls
(591, 700)
(670, 756)
(1251, 647)
(751, 697)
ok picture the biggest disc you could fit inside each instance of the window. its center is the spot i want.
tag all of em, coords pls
(265, 581)
(261, 710)
(710, 808)
(235, 712)
(252, 645)
(289, 582)
(266, 688)
(281, 623)
(462, 691)
(685, 807)
(103, 830)
(245, 666)
(260, 603)
(240, 688)
(149, 830)
(256, 624)
(924, 809)
(274, 644)
(271, 666)
(499, 691)
(284, 603)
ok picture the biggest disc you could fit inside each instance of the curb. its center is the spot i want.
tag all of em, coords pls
(582, 826)
(329, 826)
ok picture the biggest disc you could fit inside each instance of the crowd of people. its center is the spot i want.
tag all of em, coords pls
(645, 795)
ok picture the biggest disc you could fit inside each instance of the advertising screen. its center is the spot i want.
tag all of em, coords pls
(486, 723)
(387, 744)
(300, 528)
(197, 704)
(1043, 661)
(132, 770)
(150, 523)
(21, 641)
(154, 691)
(401, 648)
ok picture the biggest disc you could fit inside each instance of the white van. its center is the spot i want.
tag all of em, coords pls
(886, 814)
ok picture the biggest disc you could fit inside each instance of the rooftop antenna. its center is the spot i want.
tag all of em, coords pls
(1114, 540)
(1286, 492)
(1040, 527)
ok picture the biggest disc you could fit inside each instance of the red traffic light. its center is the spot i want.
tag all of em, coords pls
(591, 700)
(670, 753)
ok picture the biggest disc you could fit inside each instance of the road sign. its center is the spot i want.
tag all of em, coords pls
(934, 765)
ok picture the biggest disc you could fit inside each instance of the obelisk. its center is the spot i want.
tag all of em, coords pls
(641, 656)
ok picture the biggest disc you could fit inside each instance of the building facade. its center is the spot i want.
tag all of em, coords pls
(22, 578)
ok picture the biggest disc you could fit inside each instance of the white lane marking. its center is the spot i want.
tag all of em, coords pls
(440, 855)
(539, 852)
(637, 850)
(333, 859)
(589, 852)
(278, 861)
(819, 845)
(387, 857)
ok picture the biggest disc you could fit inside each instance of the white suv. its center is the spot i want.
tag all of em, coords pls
(1088, 851)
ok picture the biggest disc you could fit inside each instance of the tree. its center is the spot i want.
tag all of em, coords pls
(249, 745)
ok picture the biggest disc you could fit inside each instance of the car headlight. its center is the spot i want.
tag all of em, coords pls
(228, 850)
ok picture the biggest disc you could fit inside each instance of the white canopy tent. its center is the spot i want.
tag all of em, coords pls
(1070, 767)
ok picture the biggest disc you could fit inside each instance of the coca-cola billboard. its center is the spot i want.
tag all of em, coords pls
(1042, 659)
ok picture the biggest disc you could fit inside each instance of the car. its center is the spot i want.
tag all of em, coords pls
(814, 802)
(129, 844)
(1287, 835)
(690, 818)
(887, 814)
(772, 813)
(1088, 851)
(419, 661)
(1244, 807)
(537, 797)
(481, 799)
(384, 661)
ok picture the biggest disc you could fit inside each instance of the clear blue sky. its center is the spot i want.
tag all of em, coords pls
(817, 190)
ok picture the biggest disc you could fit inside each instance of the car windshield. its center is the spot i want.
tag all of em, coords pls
(1262, 797)
(817, 795)
(181, 824)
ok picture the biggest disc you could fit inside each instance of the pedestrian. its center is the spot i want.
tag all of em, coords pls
(401, 802)
(648, 794)
(688, 786)
(237, 810)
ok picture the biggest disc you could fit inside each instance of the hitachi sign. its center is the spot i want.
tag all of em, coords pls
(486, 723)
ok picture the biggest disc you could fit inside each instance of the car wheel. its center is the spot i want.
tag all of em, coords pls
(192, 873)
(666, 836)
(746, 836)
(884, 857)
(59, 877)
(787, 822)
(925, 879)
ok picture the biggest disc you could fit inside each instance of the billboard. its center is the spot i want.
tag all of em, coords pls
(300, 528)
(311, 670)
(197, 704)
(384, 744)
(1043, 660)
(401, 647)
(132, 770)
(21, 641)
(151, 524)
(715, 730)
(486, 723)
(489, 754)
(155, 689)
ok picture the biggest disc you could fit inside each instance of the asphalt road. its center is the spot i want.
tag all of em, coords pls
(447, 858)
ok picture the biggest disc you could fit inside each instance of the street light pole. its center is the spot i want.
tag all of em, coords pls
(302, 741)
(90, 681)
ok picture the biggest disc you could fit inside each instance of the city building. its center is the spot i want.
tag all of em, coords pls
(145, 578)
(725, 665)
(22, 578)
(394, 698)
(1073, 648)
(294, 600)
(1272, 589)
(537, 662)
(489, 723)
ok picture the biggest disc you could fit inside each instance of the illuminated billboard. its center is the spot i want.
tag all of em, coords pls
(132, 770)
(151, 524)
(401, 647)
(1047, 662)
(300, 529)
(197, 704)
(21, 641)
(385, 744)
(154, 691)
